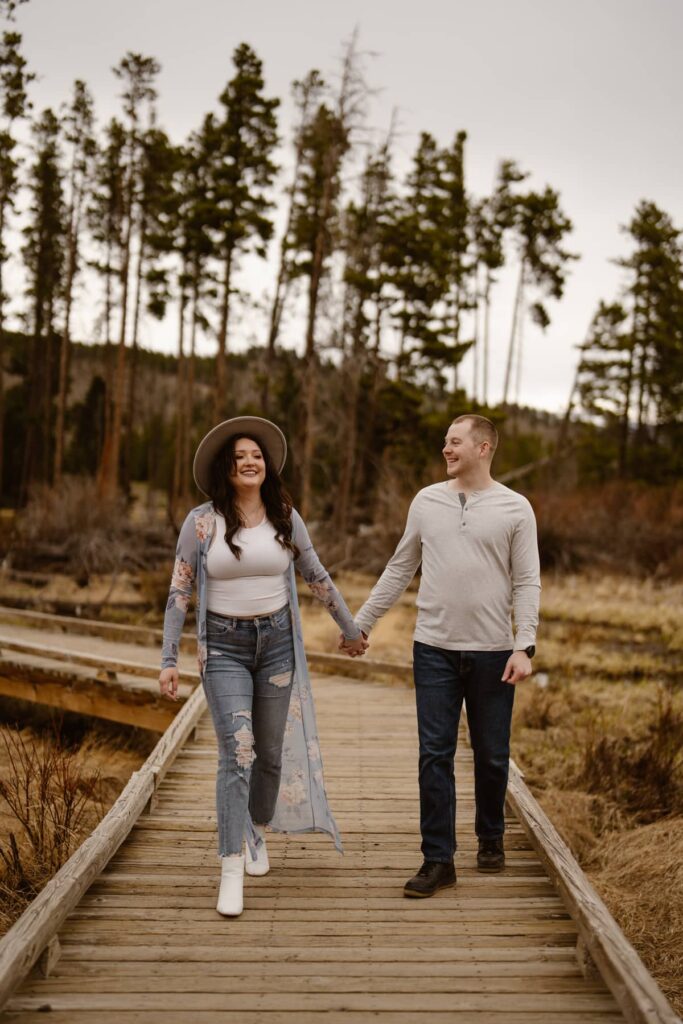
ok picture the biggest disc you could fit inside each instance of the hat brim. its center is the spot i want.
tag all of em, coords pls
(268, 435)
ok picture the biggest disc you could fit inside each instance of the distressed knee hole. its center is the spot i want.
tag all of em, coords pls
(244, 740)
(282, 679)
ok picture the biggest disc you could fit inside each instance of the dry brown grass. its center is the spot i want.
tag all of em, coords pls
(52, 794)
(639, 874)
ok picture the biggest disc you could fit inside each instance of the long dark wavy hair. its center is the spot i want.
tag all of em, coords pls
(274, 495)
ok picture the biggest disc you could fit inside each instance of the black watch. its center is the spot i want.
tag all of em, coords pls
(530, 650)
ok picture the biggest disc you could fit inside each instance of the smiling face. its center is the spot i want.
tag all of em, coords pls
(248, 465)
(463, 454)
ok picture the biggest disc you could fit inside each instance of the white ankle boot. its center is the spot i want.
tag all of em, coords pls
(230, 897)
(258, 865)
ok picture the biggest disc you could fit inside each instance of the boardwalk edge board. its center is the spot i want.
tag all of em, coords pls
(24, 943)
(318, 661)
(635, 990)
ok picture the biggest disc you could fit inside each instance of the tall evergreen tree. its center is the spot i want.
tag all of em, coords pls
(14, 105)
(656, 290)
(105, 222)
(43, 251)
(137, 74)
(365, 222)
(492, 218)
(456, 243)
(325, 142)
(78, 134)
(196, 283)
(307, 96)
(631, 371)
(243, 170)
(157, 202)
(421, 264)
(540, 226)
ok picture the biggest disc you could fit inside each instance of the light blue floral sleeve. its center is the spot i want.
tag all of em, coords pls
(180, 592)
(319, 580)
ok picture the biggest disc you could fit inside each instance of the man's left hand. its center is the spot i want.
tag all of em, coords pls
(518, 668)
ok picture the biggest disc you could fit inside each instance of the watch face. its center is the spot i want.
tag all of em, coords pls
(530, 651)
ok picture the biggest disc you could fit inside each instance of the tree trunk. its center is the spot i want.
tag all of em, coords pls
(310, 386)
(34, 402)
(64, 356)
(133, 362)
(487, 312)
(222, 392)
(109, 469)
(625, 430)
(181, 426)
(47, 392)
(475, 347)
(2, 356)
(352, 396)
(189, 394)
(520, 351)
(513, 333)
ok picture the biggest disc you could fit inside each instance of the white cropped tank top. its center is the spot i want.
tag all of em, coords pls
(254, 584)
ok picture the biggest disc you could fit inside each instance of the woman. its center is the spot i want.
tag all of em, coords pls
(241, 548)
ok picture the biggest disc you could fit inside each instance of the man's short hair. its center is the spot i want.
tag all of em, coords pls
(481, 429)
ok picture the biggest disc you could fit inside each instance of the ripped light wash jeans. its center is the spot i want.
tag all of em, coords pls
(248, 682)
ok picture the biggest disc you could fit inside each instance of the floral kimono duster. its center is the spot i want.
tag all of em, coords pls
(302, 802)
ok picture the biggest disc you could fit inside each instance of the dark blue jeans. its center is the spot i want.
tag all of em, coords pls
(443, 679)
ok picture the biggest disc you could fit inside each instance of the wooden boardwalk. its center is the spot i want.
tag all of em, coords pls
(323, 937)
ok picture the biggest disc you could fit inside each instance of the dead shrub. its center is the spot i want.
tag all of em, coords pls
(54, 800)
(73, 527)
(642, 773)
(625, 526)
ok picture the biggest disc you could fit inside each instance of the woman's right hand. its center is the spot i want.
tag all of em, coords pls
(168, 683)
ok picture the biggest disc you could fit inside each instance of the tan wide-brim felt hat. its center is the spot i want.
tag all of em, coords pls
(268, 435)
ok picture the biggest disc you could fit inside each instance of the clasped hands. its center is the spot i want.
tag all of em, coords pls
(354, 648)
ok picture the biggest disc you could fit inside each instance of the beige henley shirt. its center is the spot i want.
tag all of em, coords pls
(480, 563)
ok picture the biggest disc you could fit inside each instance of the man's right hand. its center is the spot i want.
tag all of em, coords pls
(168, 683)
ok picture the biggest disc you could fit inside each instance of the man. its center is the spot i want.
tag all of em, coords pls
(476, 540)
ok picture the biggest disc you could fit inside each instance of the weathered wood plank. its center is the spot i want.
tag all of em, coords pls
(26, 940)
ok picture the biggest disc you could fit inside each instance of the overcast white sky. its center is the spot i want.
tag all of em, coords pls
(585, 94)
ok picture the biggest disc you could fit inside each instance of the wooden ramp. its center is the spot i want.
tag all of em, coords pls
(323, 937)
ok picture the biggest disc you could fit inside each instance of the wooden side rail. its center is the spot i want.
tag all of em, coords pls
(100, 661)
(635, 990)
(341, 664)
(24, 943)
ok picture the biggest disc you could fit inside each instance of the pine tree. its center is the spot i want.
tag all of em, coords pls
(78, 134)
(307, 96)
(492, 218)
(456, 244)
(631, 371)
(137, 74)
(420, 260)
(364, 228)
(157, 209)
(242, 175)
(105, 222)
(540, 226)
(43, 251)
(14, 106)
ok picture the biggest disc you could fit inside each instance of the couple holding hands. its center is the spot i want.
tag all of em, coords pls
(475, 540)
